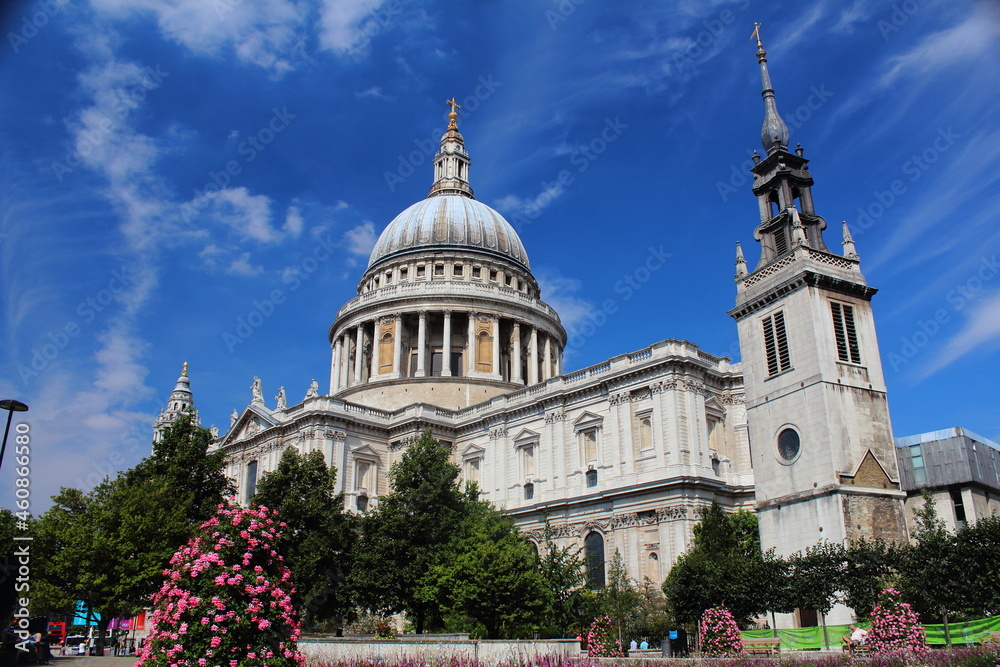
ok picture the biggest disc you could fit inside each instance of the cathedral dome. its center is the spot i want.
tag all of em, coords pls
(455, 221)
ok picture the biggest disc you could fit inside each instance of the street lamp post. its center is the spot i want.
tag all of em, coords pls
(11, 406)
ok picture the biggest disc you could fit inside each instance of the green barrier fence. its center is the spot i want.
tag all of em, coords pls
(801, 639)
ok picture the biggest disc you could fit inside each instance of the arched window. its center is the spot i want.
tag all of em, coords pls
(593, 549)
(653, 567)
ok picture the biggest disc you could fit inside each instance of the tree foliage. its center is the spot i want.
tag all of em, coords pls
(562, 570)
(404, 539)
(620, 599)
(319, 538)
(491, 574)
(724, 567)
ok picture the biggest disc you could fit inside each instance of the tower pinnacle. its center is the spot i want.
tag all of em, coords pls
(451, 164)
(774, 133)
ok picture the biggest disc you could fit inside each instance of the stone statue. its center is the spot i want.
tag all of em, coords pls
(258, 390)
(232, 418)
(313, 390)
(214, 430)
(282, 401)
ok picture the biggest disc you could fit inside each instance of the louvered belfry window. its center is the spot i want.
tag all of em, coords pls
(776, 344)
(845, 332)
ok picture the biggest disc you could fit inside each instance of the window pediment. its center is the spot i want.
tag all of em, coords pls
(587, 420)
(366, 452)
(525, 437)
(473, 452)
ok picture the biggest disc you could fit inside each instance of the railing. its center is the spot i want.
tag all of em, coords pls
(448, 288)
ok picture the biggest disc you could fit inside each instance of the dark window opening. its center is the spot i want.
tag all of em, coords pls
(529, 491)
(593, 549)
(845, 333)
(251, 480)
(362, 503)
(591, 478)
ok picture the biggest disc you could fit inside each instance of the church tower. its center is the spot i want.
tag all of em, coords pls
(181, 400)
(821, 440)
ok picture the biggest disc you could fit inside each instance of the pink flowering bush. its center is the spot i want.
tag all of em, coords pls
(895, 626)
(719, 633)
(227, 599)
(602, 640)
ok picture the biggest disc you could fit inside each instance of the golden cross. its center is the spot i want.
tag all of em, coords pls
(453, 104)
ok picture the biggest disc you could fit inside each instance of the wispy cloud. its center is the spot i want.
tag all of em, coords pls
(981, 328)
(969, 40)
(361, 239)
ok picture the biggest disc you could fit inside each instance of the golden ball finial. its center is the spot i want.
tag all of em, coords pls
(452, 115)
(184, 371)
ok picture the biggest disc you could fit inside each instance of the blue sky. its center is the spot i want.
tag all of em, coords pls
(170, 166)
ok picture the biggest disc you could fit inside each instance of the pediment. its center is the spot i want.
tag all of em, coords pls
(587, 419)
(254, 420)
(366, 452)
(473, 452)
(869, 473)
(525, 435)
(712, 406)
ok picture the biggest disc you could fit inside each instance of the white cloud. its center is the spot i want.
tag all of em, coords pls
(361, 239)
(268, 34)
(374, 91)
(241, 266)
(562, 293)
(293, 222)
(974, 38)
(246, 214)
(343, 27)
(981, 327)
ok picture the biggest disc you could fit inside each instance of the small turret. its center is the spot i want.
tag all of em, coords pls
(850, 252)
(741, 262)
(451, 164)
(181, 401)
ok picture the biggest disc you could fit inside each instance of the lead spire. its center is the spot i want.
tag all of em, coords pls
(774, 133)
(451, 164)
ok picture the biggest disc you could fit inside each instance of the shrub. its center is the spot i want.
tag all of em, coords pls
(895, 626)
(720, 635)
(227, 599)
(602, 640)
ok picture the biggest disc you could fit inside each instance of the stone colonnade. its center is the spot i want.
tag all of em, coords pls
(446, 343)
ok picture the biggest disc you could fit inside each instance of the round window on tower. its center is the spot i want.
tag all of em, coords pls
(789, 445)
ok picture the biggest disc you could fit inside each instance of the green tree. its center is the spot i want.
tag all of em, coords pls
(562, 570)
(319, 538)
(405, 537)
(492, 574)
(108, 548)
(870, 566)
(182, 459)
(932, 577)
(724, 567)
(620, 599)
(976, 550)
(815, 577)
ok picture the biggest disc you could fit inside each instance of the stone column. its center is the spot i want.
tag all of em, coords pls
(496, 346)
(345, 360)
(446, 346)
(515, 362)
(547, 371)
(471, 364)
(398, 335)
(421, 343)
(376, 344)
(335, 367)
(533, 356)
(359, 354)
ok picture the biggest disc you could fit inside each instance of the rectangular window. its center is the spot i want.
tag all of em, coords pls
(845, 332)
(251, 480)
(477, 272)
(457, 271)
(402, 273)
(493, 275)
(528, 461)
(591, 478)
(472, 470)
(589, 445)
(917, 459)
(439, 270)
(421, 271)
(776, 344)
(364, 476)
